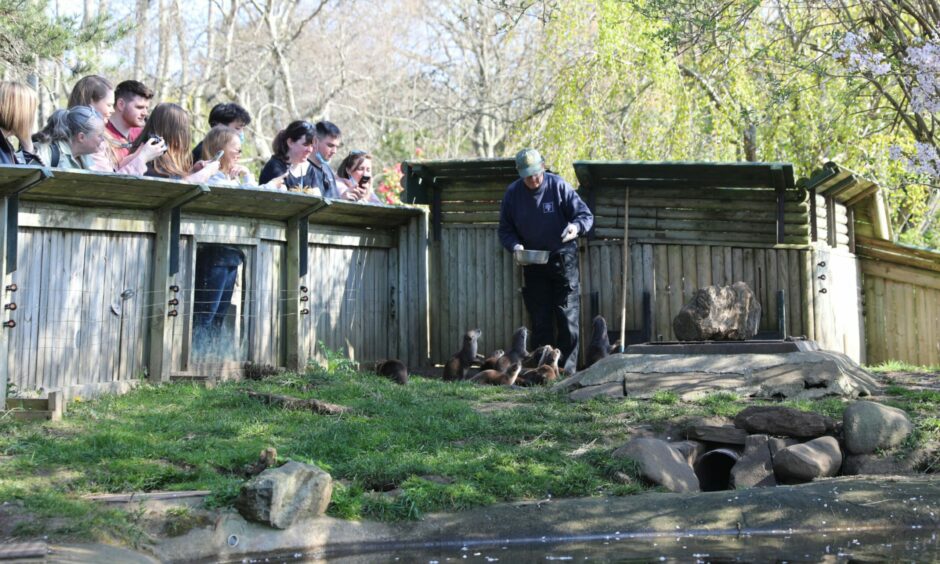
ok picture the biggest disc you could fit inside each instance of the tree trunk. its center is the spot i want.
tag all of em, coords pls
(162, 78)
(140, 38)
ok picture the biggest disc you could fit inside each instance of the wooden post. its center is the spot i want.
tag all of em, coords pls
(626, 268)
(776, 173)
(6, 279)
(161, 334)
(297, 267)
(296, 352)
(162, 278)
(421, 260)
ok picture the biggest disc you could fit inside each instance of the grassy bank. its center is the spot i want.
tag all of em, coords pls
(399, 453)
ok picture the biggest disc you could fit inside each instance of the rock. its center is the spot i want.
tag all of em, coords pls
(795, 375)
(784, 421)
(755, 468)
(691, 450)
(818, 458)
(872, 464)
(719, 313)
(281, 496)
(661, 464)
(870, 426)
(713, 434)
(777, 444)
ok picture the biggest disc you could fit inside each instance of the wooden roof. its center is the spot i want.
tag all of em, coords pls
(845, 186)
(94, 189)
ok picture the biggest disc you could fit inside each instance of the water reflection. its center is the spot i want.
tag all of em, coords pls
(915, 545)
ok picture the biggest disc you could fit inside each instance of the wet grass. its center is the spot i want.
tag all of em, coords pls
(401, 452)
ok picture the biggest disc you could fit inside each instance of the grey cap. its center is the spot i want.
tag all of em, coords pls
(529, 162)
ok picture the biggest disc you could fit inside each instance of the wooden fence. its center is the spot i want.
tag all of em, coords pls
(901, 299)
(104, 272)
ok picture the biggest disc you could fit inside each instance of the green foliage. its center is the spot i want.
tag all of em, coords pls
(665, 397)
(29, 34)
(726, 404)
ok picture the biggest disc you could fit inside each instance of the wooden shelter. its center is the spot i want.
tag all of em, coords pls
(688, 225)
(101, 271)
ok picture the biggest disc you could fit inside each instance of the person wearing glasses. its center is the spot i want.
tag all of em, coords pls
(70, 138)
(355, 173)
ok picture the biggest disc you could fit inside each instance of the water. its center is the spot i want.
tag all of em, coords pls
(913, 545)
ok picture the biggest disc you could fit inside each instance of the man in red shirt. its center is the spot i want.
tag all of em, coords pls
(131, 108)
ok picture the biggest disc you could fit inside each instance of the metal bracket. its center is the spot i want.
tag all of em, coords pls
(13, 191)
(303, 231)
(174, 207)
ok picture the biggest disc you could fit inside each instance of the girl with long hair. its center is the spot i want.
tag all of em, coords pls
(170, 124)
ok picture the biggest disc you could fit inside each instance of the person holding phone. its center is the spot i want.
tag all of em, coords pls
(355, 174)
(169, 126)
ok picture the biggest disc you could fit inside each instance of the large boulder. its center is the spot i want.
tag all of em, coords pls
(661, 464)
(281, 496)
(870, 426)
(719, 313)
(755, 469)
(783, 422)
(888, 465)
(806, 374)
(818, 458)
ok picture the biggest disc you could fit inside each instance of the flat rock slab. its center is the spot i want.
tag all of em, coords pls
(885, 504)
(783, 421)
(795, 375)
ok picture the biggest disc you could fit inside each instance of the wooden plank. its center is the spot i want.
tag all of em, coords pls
(931, 340)
(875, 323)
(637, 275)
(920, 344)
(796, 289)
(295, 341)
(901, 273)
(648, 286)
(747, 274)
(92, 307)
(663, 327)
(5, 279)
(772, 284)
(907, 328)
(703, 266)
(674, 261)
(689, 275)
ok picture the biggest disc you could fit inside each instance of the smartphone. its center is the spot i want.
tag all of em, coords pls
(217, 156)
(364, 180)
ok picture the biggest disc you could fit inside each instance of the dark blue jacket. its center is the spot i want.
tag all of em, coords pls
(537, 218)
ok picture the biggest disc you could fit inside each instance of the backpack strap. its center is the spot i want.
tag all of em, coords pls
(56, 154)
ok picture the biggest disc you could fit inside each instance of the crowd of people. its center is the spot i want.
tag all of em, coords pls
(114, 129)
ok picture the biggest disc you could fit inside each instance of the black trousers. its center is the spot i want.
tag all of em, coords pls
(552, 296)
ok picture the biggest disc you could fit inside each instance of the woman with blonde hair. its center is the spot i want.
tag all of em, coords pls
(17, 112)
(169, 123)
(98, 93)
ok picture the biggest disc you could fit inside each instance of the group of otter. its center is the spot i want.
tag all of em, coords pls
(515, 367)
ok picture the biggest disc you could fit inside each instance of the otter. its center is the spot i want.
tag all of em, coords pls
(600, 346)
(517, 352)
(267, 459)
(537, 357)
(547, 372)
(490, 362)
(497, 378)
(456, 367)
(393, 369)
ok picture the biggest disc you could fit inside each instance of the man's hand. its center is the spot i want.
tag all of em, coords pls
(570, 233)
(517, 247)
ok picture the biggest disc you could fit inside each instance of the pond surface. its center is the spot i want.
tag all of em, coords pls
(912, 545)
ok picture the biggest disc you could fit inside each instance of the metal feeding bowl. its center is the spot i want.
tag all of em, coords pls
(525, 257)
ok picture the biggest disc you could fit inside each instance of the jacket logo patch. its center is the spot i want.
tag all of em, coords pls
(548, 207)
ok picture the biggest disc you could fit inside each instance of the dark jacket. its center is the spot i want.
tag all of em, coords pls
(537, 218)
(276, 167)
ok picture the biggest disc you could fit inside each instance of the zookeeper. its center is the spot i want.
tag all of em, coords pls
(541, 211)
